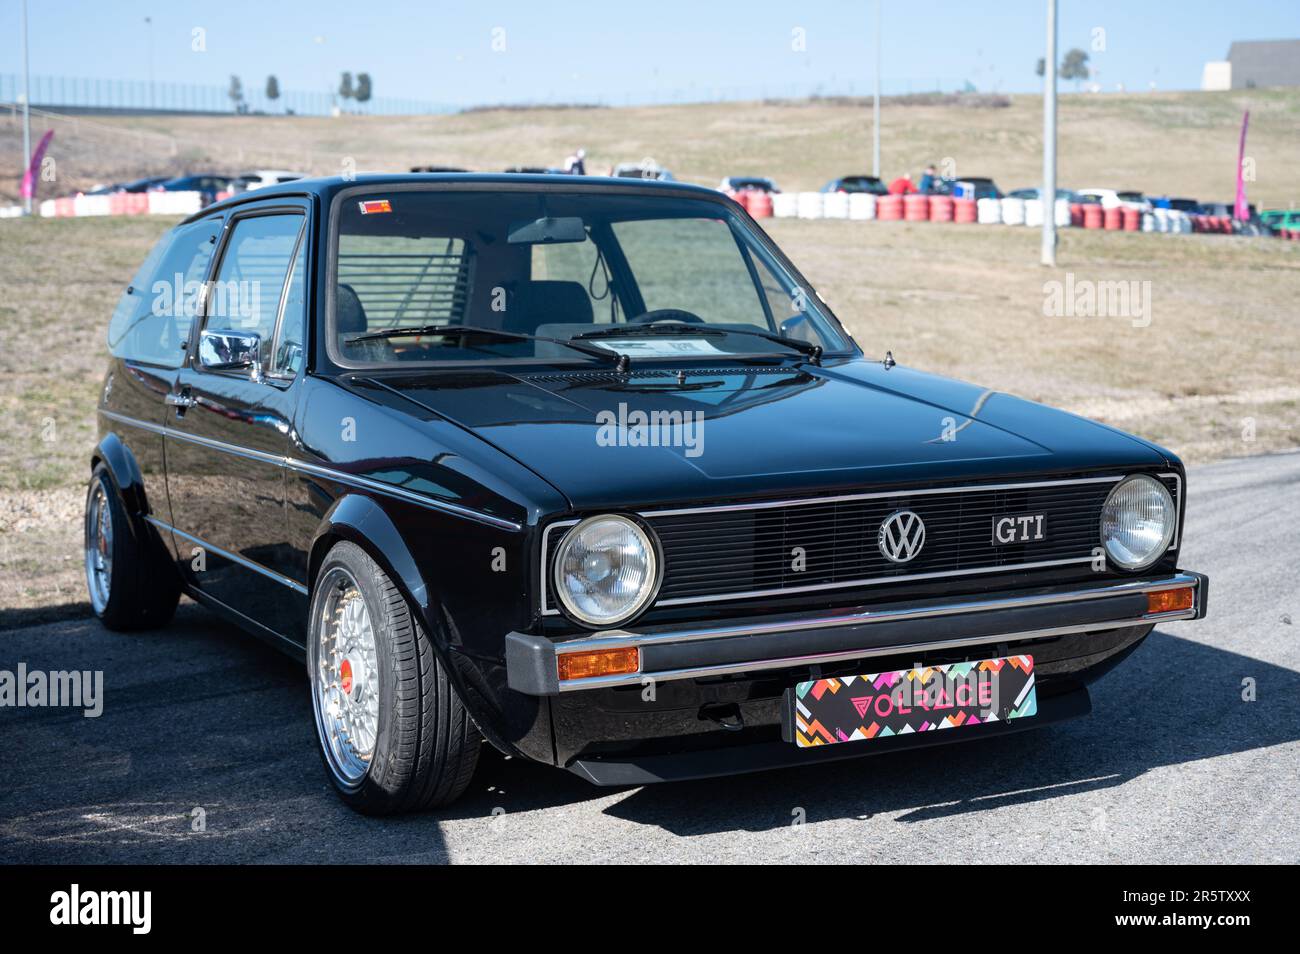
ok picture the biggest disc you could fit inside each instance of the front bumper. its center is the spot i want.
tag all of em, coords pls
(785, 642)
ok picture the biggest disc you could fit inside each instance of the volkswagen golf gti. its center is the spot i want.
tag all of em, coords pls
(586, 469)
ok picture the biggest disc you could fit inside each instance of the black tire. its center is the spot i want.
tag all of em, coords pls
(142, 588)
(426, 746)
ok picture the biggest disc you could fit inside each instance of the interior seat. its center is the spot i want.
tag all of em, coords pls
(547, 302)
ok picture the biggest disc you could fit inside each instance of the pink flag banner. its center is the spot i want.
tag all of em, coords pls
(29, 177)
(1242, 211)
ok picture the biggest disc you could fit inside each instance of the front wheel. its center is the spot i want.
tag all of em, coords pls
(393, 733)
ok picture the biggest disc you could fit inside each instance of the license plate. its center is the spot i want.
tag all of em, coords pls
(928, 699)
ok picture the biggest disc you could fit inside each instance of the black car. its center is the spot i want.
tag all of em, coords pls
(584, 468)
(868, 184)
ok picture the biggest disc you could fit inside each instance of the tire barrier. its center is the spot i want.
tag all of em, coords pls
(1132, 219)
(810, 205)
(862, 206)
(760, 205)
(1064, 217)
(1113, 219)
(1034, 213)
(1093, 216)
(916, 208)
(941, 209)
(964, 210)
(835, 205)
(889, 208)
(1076, 214)
(1148, 222)
(988, 211)
(1013, 211)
(785, 205)
(125, 203)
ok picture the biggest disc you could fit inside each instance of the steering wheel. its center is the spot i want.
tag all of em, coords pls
(667, 314)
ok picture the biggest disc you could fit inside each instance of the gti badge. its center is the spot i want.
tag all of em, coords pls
(901, 536)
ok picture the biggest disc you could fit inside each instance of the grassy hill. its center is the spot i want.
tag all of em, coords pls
(1164, 143)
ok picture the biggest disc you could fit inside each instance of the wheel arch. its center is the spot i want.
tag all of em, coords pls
(362, 520)
(124, 472)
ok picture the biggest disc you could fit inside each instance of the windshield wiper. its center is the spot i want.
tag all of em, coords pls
(814, 352)
(621, 361)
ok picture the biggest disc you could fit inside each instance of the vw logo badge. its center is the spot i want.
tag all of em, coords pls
(901, 536)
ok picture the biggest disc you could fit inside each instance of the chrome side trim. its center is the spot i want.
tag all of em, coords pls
(316, 470)
(232, 557)
(622, 638)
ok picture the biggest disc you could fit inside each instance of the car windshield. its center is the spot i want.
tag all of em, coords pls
(657, 277)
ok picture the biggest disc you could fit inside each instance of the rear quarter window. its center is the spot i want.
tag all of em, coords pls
(152, 320)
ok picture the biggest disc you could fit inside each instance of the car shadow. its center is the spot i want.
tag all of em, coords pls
(1174, 701)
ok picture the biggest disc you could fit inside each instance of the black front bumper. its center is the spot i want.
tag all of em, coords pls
(792, 641)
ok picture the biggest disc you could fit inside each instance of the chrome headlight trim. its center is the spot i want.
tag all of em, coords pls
(1167, 534)
(653, 557)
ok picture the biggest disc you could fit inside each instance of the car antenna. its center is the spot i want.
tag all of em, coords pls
(889, 361)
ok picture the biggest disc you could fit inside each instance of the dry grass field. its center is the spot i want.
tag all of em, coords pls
(1178, 143)
(1212, 375)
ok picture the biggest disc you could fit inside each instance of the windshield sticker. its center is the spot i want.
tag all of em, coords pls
(659, 348)
(372, 206)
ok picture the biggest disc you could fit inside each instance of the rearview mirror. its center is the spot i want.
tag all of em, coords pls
(231, 351)
(548, 231)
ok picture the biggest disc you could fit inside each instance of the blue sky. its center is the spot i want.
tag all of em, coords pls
(617, 51)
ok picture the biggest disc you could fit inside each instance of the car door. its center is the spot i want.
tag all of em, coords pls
(229, 431)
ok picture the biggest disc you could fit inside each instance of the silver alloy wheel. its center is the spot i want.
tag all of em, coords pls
(346, 693)
(99, 546)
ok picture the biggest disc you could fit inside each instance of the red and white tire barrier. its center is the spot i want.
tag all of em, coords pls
(862, 206)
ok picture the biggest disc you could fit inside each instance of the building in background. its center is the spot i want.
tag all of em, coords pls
(1255, 63)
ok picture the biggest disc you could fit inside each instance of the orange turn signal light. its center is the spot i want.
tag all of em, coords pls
(1169, 601)
(599, 662)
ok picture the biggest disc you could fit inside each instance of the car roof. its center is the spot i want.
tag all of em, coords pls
(325, 188)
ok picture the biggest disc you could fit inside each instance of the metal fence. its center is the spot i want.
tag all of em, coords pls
(119, 95)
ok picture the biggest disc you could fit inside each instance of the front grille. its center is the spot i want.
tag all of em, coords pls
(721, 553)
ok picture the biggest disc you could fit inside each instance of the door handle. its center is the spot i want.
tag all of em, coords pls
(180, 401)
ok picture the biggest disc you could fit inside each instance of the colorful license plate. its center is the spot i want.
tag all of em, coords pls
(878, 705)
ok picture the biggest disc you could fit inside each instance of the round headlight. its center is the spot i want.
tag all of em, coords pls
(1137, 522)
(606, 570)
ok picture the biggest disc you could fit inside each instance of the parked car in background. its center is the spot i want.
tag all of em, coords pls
(1067, 195)
(136, 185)
(631, 529)
(1112, 199)
(869, 184)
(260, 178)
(438, 169)
(1279, 219)
(208, 185)
(966, 187)
(733, 184)
(641, 170)
(535, 171)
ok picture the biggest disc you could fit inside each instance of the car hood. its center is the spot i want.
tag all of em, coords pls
(607, 440)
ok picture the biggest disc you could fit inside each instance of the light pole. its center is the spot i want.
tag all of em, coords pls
(27, 117)
(1048, 194)
(148, 23)
(875, 105)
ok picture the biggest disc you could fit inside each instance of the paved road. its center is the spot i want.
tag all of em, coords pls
(1173, 765)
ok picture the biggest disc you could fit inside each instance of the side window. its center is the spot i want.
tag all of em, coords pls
(152, 320)
(249, 284)
(291, 341)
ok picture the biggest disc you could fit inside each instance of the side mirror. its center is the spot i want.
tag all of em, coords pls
(231, 351)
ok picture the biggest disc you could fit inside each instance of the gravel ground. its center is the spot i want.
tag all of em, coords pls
(1174, 765)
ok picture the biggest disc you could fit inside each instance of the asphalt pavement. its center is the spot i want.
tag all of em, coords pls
(204, 752)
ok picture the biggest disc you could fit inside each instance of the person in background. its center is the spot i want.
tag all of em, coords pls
(576, 164)
(902, 185)
(926, 185)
